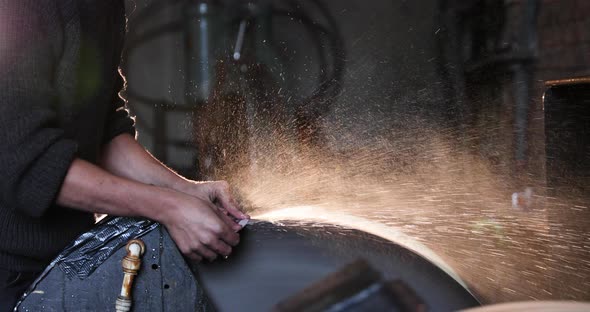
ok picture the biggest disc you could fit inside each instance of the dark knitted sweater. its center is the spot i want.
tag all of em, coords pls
(59, 85)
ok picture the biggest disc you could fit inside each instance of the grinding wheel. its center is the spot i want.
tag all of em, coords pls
(273, 262)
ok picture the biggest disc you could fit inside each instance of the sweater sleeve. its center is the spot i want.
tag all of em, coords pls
(34, 155)
(119, 120)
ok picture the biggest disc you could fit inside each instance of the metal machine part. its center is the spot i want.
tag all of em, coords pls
(233, 57)
(567, 150)
(492, 46)
(567, 124)
(275, 261)
(131, 264)
(356, 287)
(272, 262)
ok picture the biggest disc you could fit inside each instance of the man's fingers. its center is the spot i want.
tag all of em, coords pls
(231, 238)
(223, 194)
(226, 233)
(222, 214)
(189, 253)
(220, 247)
(194, 256)
(229, 221)
(206, 253)
(221, 230)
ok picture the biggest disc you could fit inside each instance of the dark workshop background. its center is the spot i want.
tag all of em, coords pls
(472, 70)
(446, 62)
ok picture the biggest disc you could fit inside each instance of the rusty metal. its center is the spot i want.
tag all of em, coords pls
(131, 264)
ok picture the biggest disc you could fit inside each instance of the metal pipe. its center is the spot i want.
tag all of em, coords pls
(522, 79)
(240, 41)
(131, 264)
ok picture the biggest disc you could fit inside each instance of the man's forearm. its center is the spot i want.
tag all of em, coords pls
(125, 157)
(141, 186)
(90, 188)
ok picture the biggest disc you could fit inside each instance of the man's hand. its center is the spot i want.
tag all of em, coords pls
(198, 227)
(196, 224)
(202, 213)
(218, 193)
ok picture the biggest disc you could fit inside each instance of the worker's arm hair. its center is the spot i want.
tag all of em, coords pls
(194, 223)
(125, 157)
(90, 188)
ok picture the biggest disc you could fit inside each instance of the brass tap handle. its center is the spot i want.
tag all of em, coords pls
(131, 264)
